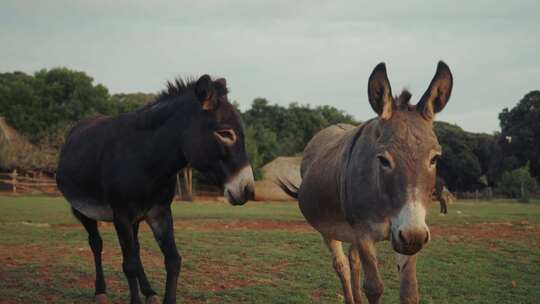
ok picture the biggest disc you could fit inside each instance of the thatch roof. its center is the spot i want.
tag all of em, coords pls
(282, 168)
(16, 152)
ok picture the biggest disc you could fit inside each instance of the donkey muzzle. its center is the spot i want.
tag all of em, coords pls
(409, 232)
(240, 187)
(410, 241)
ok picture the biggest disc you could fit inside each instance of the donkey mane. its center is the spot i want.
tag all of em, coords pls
(175, 94)
(402, 101)
(174, 88)
(156, 112)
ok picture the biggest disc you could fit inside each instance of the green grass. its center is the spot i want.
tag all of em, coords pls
(483, 252)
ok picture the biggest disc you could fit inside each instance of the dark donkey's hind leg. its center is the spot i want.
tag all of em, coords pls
(96, 244)
(146, 289)
(160, 220)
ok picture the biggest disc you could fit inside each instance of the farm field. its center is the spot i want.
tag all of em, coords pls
(481, 252)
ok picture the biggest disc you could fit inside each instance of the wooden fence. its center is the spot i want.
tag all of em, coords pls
(21, 184)
(15, 183)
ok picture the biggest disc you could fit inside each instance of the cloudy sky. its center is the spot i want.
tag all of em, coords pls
(316, 52)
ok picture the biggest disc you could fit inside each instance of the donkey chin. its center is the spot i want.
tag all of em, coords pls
(409, 232)
(240, 187)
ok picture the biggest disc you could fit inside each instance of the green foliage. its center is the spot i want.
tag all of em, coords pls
(465, 156)
(521, 133)
(274, 130)
(252, 150)
(518, 183)
(43, 106)
(127, 102)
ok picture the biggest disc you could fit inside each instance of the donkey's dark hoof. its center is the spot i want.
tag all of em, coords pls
(101, 298)
(152, 300)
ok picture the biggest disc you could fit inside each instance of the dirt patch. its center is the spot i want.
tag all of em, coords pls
(209, 225)
(243, 225)
(517, 231)
(223, 277)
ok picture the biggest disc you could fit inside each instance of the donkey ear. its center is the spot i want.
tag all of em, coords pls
(204, 90)
(221, 87)
(438, 93)
(380, 92)
(222, 81)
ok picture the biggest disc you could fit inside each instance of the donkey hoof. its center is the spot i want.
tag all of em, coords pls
(152, 299)
(101, 298)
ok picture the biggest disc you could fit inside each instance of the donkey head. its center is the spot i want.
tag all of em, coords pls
(397, 161)
(216, 144)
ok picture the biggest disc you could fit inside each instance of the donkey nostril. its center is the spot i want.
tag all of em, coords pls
(401, 237)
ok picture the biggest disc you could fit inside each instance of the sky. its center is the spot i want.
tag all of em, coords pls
(316, 52)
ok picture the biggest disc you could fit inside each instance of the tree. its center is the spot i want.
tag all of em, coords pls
(459, 166)
(518, 183)
(278, 131)
(43, 106)
(520, 131)
(127, 102)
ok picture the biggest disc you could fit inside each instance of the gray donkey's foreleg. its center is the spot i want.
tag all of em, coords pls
(342, 268)
(408, 285)
(373, 285)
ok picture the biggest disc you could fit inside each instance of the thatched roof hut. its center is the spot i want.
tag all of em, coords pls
(284, 168)
(16, 152)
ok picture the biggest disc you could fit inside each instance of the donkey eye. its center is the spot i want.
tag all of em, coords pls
(434, 160)
(229, 134)
(384, 162)
(226, 136)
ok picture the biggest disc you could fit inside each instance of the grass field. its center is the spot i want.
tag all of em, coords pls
(265, 253)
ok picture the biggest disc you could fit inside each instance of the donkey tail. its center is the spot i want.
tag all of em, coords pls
(288, 188)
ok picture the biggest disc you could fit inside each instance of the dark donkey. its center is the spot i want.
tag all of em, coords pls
(122, 169)
(361, 185)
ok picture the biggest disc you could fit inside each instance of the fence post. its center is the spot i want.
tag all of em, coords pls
(178, 186)
(189, 183)
(14, 181)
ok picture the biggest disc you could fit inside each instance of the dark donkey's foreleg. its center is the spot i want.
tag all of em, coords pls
(408, 285)
(96, 244)
(146, 289)
(126, 236)
(160, 220)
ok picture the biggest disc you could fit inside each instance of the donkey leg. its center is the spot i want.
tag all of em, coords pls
(354, 262)
(444, 206)
(146, 289)
(341, 265)
(373, 285)
(408, 285)
(96, 244)
(124, 231)
(160, 220)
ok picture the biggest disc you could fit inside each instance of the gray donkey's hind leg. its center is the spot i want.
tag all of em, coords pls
(341, 265)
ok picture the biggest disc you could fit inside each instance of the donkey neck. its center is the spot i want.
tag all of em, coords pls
(165, 155)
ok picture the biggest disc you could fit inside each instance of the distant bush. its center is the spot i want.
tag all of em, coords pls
(518, 183)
